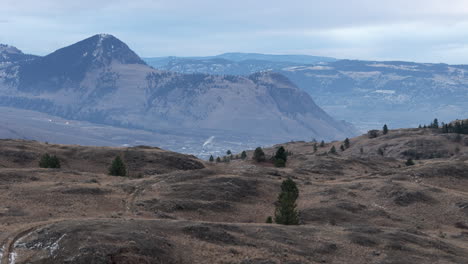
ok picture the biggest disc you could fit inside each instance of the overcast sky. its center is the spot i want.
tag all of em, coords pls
(414, 30)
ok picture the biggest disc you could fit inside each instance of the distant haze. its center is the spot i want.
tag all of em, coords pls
(417, 30)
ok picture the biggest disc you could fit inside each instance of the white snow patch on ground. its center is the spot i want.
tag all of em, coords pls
(12, 258)
(55, 245)
(398, 67)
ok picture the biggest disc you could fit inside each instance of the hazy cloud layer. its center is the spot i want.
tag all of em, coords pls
(427, 31)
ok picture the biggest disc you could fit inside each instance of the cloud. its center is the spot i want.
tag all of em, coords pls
(429, 30)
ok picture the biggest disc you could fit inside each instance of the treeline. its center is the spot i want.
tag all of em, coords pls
(458, 126)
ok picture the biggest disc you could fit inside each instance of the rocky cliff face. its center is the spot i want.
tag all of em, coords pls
(101, 80)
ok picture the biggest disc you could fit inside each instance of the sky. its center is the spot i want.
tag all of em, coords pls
(411, 30)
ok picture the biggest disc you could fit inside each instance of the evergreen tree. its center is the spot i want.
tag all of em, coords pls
(211, 158)
(342, 148)
(322, 144)
(243, 155)
(218, 159)
(286, 212)
(281, 154)
(259, 155)
(228, 152)
(435, 124)
(385, 129)
(315, 147)
(333, 150)
(118, 167)
(420, 126)
(269, 220)
(346, 143)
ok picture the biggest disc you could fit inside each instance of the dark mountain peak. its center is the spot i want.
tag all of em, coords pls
(68, 66)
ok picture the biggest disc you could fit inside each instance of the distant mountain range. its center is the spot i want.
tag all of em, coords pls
(366, 93)
(101, 80)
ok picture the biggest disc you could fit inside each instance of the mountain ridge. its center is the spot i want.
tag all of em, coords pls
(101, 80)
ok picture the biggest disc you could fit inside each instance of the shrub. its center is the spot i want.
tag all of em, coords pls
(380, 151)
(269, 220)
(218, 159)
(373, 133)
(280, 163)
(48, 161)
(409, 162)
(118, 167)
(259, 155)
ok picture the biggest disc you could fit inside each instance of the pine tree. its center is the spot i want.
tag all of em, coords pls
(333, 150)
(342, 148)
(346, 143)
(243, 155)
(211, 158)
(286, 212)
(315, 147)
(269, 220)
(385, 129)
(435, 124)
(218, 159)
(322, 144)
(259, 155)
(281, 154)
(228, 152)
(118, 167)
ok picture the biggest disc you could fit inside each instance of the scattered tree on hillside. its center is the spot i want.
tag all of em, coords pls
(259, 155)
(385, 129)
(48, 161)
(347, 143)
(322, 144)
(228, 152)
(118, 167)
(211, 158)
(269, 220)
(342, 148)
(281, 157)
(315, 147)
(218, 159)
(243, 155)
(333, 150)
(286, 212)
